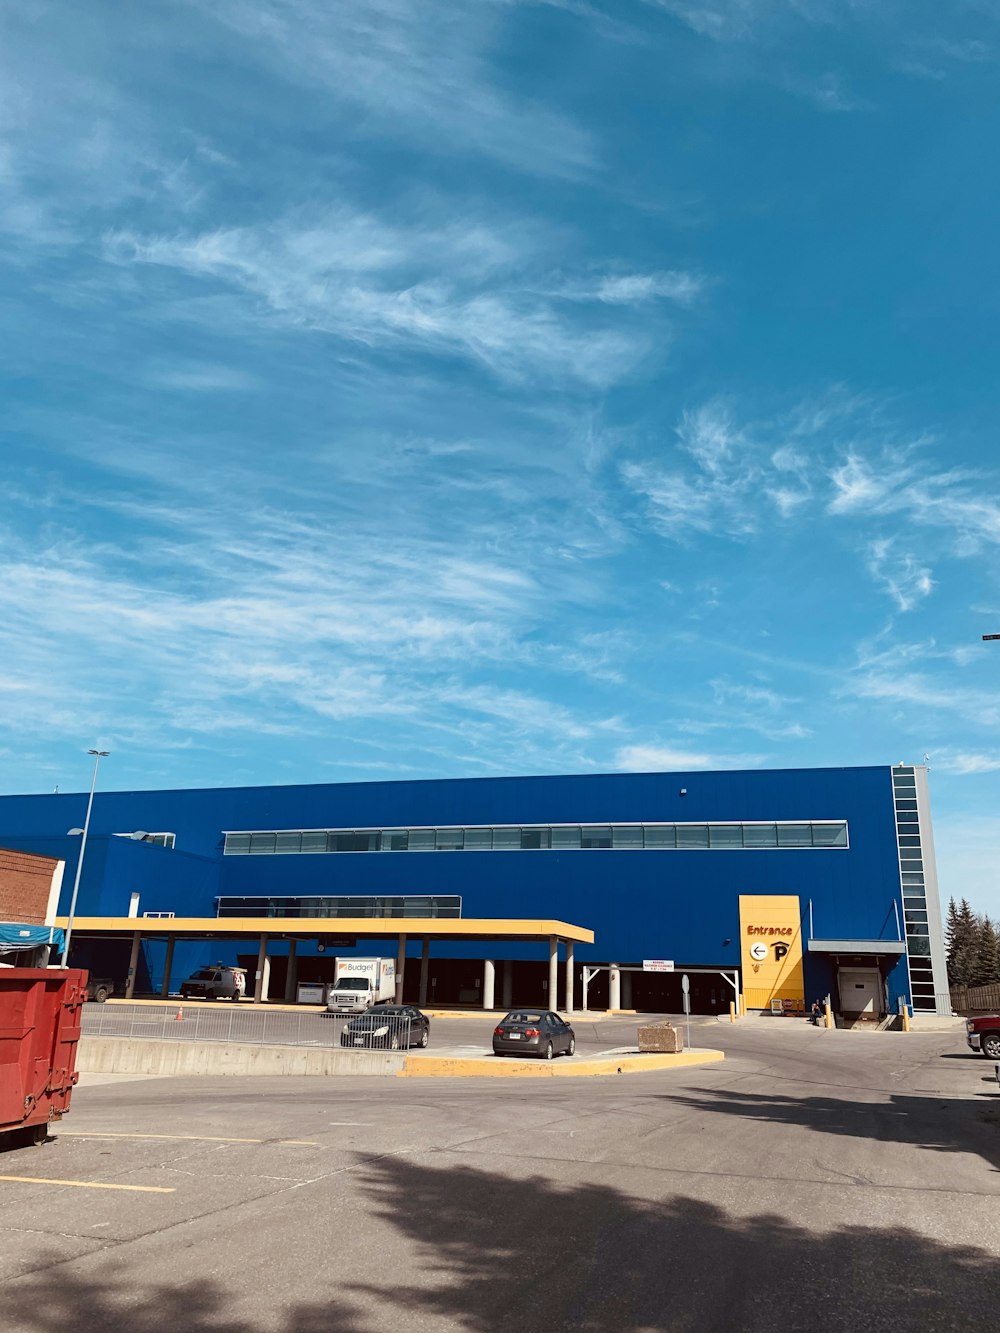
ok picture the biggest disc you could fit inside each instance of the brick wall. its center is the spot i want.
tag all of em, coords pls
(29, 887)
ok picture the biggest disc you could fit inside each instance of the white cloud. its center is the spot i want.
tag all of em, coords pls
(655, 758)
(637, 288)
(905, 578)
(416, 68)
(354, 277)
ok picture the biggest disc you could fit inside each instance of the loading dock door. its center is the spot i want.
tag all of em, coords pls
(860, 990)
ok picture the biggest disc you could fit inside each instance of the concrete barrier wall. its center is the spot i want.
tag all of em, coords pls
(123, 1055)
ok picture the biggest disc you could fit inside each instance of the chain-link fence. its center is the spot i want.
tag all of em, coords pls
(249, 1025)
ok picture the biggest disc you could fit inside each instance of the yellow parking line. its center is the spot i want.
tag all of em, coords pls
(90, 1184)
(185, 1138)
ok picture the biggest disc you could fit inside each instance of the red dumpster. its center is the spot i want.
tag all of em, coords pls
(39, 1030)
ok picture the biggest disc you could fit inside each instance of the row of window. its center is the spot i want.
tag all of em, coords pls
(328, 905)
(549, 837)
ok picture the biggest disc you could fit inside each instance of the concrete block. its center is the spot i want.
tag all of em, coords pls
(664, 1038)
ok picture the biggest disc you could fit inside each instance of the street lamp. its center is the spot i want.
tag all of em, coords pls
(98, 756)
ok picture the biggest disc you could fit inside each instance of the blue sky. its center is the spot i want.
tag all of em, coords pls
(405, 388)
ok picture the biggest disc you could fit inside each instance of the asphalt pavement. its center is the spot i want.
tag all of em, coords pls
(813, 1181)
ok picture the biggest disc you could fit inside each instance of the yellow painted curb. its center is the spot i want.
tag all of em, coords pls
(428, 1066)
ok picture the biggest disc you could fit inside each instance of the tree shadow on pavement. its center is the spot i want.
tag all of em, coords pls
(936, 1122)
(478, 1250)
(529, 1254)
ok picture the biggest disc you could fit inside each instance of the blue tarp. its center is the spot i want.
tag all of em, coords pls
(14, 936)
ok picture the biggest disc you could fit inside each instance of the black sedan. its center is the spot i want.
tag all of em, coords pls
(388, 1026)
(533, 1032)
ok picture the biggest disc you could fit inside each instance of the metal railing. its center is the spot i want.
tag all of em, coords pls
(246, 1025)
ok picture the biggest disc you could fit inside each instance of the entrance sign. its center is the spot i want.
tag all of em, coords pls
(657, 964)
(771, 952)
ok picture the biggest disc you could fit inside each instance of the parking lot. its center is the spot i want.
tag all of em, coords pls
(813, 1180)
(457, 1035)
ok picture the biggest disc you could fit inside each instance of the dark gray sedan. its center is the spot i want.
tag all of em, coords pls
(533, 1032)
(388, 1026)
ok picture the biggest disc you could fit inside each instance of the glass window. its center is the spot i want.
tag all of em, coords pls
(595, 835)
(395, 840)
(915, 916)
(692, 835)
(829, 835)
(312, 841)
(534, 839)
(261, 843)
(913, 877)
(725, 835)
(449, 839)
(478, 839)
(626, 835)
(288, 842)
(659, 835)
(914, 899)
(908, 825)
(420, 840)
(910, 860)
(760, 835)
(905, 803)
(566, 836)
(918, 943)
(794, 835)
(506, 839)
(237, 844)
(907, 841)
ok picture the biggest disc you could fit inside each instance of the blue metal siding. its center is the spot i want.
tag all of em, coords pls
(680, 904)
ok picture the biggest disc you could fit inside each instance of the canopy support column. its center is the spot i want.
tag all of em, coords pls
(168, 966)
(292, 975)
(262, 979)
(400, 968)
(133, 963)
(425, 954)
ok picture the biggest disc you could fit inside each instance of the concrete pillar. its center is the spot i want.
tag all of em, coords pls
(508, 983)
(400, 968)
(133, 964)
(489, 983)
(262, 979)
(553, 972)
(168, 966)
(614, 987)
(425, 954)
(569, 976)
(292, 975)
(626, 990)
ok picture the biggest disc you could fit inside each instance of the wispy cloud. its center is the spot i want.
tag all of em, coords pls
(417, 69)
(651, 758)
(637, 288)
(906, 579)
(457, 288)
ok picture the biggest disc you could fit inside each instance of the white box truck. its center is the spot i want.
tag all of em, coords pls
(358, 983)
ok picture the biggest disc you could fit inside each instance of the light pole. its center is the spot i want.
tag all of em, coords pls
(98, 756)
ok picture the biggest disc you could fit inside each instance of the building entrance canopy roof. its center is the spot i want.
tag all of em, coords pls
(856, 947)
(438, 928)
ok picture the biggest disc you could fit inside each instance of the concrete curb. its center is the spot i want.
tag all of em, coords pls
(123, 1055)
(430, 1066)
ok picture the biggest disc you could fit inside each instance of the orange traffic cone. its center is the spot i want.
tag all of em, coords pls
(179, 1016)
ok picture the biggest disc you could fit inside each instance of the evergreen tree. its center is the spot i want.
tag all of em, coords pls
(963, 943)
(984, 964)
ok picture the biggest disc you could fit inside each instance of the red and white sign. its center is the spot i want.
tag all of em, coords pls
(657, 964)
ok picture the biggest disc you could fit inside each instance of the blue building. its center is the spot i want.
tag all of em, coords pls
(682, 867)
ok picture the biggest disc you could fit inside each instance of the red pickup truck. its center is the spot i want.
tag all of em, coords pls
(983, 1035)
